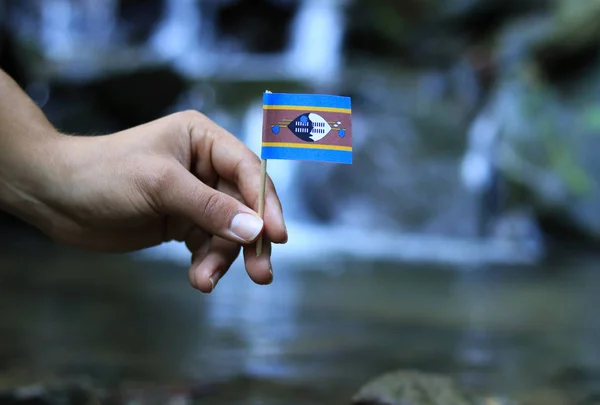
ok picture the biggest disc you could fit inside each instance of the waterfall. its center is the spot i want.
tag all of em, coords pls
(315, 49)
(67, 27)
(314, 55)
(179, 30)
(55, 32)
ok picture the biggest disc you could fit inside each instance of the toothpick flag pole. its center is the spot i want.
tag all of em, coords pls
(261, 196)
(314, 127)
(261, 201)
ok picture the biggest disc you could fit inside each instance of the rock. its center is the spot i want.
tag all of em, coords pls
(428, 32)
(545, 396)
(10, 59)
(242, 24)
(417, 388)
(547, 129)
(136, 97)
(138, 18)
(573, 44)
(65, 393)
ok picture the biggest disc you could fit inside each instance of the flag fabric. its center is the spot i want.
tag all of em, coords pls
(313, 127)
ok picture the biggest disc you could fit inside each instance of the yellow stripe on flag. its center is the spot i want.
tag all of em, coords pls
(306, 146)
(307, 108)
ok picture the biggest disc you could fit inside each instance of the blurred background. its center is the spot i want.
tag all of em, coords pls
(462, 241)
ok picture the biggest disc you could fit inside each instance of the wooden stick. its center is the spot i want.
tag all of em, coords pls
(261, 202)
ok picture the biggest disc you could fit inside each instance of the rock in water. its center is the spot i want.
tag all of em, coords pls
(416, 388)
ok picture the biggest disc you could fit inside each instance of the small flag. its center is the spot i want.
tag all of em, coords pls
(313, 127)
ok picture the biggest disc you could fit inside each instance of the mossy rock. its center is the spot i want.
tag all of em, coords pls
(407, 387)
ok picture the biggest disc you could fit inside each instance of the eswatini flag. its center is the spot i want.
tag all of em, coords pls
(307, 127)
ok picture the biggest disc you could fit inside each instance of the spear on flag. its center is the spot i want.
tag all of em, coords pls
(314, 127)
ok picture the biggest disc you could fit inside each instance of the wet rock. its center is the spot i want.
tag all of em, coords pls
(574, 384)
(428, 32)
(417, 388)
(545, 396)
(572, 47)
(10, 60)
(138, 18)
(48, 394)
(136, 97)
(547, 128)
(402, 31)
(112, 100)
(242, 23)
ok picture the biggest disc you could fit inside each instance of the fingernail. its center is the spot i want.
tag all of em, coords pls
(271, 270)
(246, 226)
(212, 284)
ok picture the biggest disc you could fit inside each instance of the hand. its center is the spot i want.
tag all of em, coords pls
(180, 178)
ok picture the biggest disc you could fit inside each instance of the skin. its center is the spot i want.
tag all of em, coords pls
(181, 177)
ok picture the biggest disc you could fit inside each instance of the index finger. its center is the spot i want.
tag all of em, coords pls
(216, 149)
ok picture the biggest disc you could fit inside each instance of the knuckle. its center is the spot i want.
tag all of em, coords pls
(199, 128)
(246, 165)
(191, 116)
(214, 206)
(238, 171)
(193, 120)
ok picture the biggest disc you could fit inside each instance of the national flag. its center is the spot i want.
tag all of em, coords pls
(313, 127)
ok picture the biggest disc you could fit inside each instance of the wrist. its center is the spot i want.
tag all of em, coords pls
(29, 171)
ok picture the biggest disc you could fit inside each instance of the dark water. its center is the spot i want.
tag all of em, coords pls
(309, 338)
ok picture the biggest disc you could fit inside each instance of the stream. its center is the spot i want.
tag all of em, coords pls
(312, 337)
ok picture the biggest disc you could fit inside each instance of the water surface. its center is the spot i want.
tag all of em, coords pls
(312, 337)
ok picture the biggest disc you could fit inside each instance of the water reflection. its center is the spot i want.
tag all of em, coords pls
(122, 320)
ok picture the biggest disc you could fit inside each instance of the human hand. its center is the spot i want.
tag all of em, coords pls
(180, 178)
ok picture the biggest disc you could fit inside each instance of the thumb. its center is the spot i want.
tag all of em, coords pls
(215, 212)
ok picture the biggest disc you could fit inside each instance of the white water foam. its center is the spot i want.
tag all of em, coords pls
(319, 244)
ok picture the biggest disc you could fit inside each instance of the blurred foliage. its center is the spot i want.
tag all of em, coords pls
(544, 118)
(591, 117)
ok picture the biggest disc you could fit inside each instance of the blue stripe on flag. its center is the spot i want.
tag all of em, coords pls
(310, 100)
(322, 155)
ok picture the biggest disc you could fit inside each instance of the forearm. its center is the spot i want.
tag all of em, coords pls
(27, 150)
